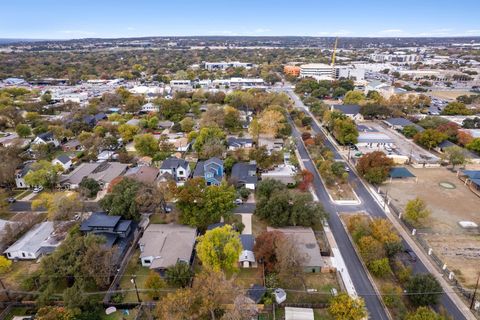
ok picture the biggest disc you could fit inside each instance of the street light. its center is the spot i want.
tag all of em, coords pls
(136, 289)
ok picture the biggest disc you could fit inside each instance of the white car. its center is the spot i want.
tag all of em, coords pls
(37, 189)
(238, 201)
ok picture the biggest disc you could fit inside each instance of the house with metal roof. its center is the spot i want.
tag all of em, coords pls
(350, 110)
(211, 170)
(247, 257)
(38, 241)
(400, 123)
(163, 245)
(244, 175)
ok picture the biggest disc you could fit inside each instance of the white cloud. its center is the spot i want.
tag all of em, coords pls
(131, 28)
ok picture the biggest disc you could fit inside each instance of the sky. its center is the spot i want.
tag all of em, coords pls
(69, 19)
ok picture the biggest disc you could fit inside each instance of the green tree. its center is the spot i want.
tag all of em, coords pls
(456, 108)
(59, 205)
(154, 283)
(409, 131)
(187, 124)
(380, 268)
(374, 167)
(474, 145)
(54, 313)
(345, 131)
(208, 134)
(430, 138)
(43, 173)
(424, 313)
(339, 92)
(179, 275)
(23, 130)
(127, 131)
(423, 290)
(354, 97)
(455, 156)
(219, 249)
(121, 200)
(89, 187)
(416, 212)
(370, 249)
(344, 307)
(146, 144)
(202, 205)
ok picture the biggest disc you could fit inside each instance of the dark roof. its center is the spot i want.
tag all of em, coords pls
(215, 225)
(173, 162)
(238, 142)
(403, 123)
(445, 144)
(473, 175)
(46, 136)
(123, 225)
(89, 119)
(214, 160)
(247, 241)
(347, 108)
(63, 158)
(99, 219)
(256, 292)
(199, 169)
(245, 172)
(100, 116)
(400, 172)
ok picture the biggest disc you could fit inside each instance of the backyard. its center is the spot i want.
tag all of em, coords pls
(450, 201)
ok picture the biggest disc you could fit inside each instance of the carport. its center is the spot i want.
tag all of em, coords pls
(401, 173)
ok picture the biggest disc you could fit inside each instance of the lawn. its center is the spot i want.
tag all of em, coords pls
(321, 282)
(19, 271)
(134, 268)
(246, 277)
(120, 315)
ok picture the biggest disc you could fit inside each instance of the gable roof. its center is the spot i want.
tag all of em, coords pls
(46, 136)
(352, 109)
(403, 123)
(35, 239)
(256, 292)
(174, 163)
(63, 158)
(247, 241)
(242, 172)
(104, 171)
(144, 174)
(238, 142)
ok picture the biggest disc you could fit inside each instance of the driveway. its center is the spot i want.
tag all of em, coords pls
(247, 222)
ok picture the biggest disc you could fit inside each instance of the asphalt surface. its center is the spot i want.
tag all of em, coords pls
(360, 280)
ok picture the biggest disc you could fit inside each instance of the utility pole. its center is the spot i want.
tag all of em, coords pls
(475, 293)
(136, 289)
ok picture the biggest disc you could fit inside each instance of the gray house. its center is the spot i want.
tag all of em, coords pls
(245, 175)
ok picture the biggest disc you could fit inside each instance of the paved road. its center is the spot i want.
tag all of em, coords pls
(362, 285)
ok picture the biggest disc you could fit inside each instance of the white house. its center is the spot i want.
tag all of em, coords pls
(21, 173)
(350, 110)
(247, 257)
(64, 161)
(46, 137)
(36, 242)
(149, 107)
(178, 168)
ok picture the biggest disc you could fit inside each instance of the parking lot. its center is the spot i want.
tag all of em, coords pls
(400, 146)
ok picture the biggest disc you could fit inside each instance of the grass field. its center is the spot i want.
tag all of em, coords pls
(452, 95)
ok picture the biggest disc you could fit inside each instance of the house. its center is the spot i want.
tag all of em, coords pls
(20, 174)
(106, 155)
(350, 110)
(92, 120)
(244, 175)
(271, 144)
(307, 244)
(285, 173)
(64, 161)
(38, 241)
(211, 170)
(143, 174)
(247, 257)
(471, 178)
(293, 313)
(149, 107)
(102, 172)
(400, 123)
(116, 231)
(256, 293)
(45, 138)
(72, 145)
(165, 124)
(234, 143)
(180, 144)
(178, 168)
(163, 245)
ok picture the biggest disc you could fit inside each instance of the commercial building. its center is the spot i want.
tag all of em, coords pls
(212, 66)
(319, 71)
(292, 70)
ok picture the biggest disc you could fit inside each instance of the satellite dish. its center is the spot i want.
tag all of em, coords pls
(110, 310)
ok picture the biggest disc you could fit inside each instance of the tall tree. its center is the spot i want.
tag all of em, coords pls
(374, 167)
(59, 205)
(416, 212)
(423, 290)
(121, 200)
(344, 307)
(265, 248)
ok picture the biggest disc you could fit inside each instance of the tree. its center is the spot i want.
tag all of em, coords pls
(98, 262)
(339, 92)
(409, 131)
(424, 313)
(202, 205)
(213, 117)
(374, 167)
(74, 297)
(354, 97)
(243, 309)
(54, 313)
(265, 248)
(345, 131)
(208, 134)
(121, 200)
(43, 173)
(219, 249)
(127, 131)
(154, 283)
(187, 124)
(179, 275)
(416, 212)
(430, 138)
(146, 144)
(254, 129)
(423, 290)
(455, 156)
(215, 290)
(59, 205)
(306, 180)
(456, 108)
(380, 267)
(5, 265)
(464, 138)
(179, 305)
(271, 122)
(23, 130)
(89, 187)
(370, 249)
(344, 307)
(10, 160)
(291, 260)
(474, 145)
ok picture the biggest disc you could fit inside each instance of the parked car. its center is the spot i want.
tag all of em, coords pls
(347, 168)
(11, 200)
(411, 255)
(37, 189)
(168, 209)
(238, 201)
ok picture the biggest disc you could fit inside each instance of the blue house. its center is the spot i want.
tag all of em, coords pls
(211, 170)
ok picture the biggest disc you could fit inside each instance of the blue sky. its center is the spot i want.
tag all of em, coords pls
(66, 19)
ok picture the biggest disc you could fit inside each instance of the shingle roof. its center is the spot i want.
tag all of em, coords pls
(245, 172)
(238, 142)
(173, 162)
(46, 136)
(36, 238)
(256, 292)
(247, 241)
(63, 158)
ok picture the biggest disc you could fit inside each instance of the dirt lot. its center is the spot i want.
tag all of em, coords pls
(449, 94)
(457, 247)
